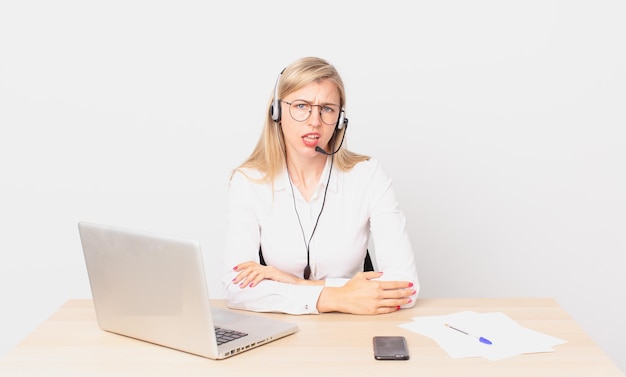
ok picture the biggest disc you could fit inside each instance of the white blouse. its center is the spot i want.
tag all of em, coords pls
(359, 203)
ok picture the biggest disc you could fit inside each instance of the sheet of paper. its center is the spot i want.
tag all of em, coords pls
(507, 336)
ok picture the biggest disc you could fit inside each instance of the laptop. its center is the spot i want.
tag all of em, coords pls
(153, 288)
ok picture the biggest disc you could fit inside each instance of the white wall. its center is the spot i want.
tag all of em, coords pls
(502, 124)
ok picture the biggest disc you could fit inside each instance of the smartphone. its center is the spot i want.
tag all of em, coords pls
(390, 348)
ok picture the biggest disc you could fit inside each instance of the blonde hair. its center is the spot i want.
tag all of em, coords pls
(268, 157)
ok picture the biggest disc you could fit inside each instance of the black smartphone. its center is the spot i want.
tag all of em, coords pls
(390, 348)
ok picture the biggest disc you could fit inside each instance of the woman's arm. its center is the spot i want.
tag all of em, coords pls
(364, 295)
(360, 295)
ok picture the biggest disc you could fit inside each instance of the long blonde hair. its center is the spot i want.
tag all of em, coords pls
(268, 156)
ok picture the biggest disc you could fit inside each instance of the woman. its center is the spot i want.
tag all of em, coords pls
(302, 209)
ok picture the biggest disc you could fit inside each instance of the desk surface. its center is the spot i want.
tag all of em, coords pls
(70, 343)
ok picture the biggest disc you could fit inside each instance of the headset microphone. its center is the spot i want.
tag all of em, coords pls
(344, 124)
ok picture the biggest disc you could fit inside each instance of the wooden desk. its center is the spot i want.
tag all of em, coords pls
(70, 343)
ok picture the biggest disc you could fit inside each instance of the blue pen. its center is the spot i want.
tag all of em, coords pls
(480, 338)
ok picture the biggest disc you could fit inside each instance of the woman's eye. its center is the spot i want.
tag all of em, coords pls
(301, 106)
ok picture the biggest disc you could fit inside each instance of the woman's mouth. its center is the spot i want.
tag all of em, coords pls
(311, 140)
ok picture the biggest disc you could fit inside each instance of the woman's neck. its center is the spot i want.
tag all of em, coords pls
(305, 175)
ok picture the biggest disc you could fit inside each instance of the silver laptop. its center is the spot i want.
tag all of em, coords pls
(153, 288)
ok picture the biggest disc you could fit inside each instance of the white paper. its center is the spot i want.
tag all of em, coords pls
(507, 336)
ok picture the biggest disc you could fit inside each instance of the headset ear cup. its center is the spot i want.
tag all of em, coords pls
(342, 120)
(275, 110)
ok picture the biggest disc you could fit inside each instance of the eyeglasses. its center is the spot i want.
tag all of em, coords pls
(301, 110)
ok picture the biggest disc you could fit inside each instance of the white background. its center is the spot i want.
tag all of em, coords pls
(502, 124)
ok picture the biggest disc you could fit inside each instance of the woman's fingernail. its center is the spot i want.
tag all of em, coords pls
(410, 284)
(235, 268)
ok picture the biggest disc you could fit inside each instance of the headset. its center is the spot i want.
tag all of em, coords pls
(275, 108)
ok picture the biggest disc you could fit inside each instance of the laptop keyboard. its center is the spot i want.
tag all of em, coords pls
(224, 335)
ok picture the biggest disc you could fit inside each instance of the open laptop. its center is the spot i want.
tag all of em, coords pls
(153, 288)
